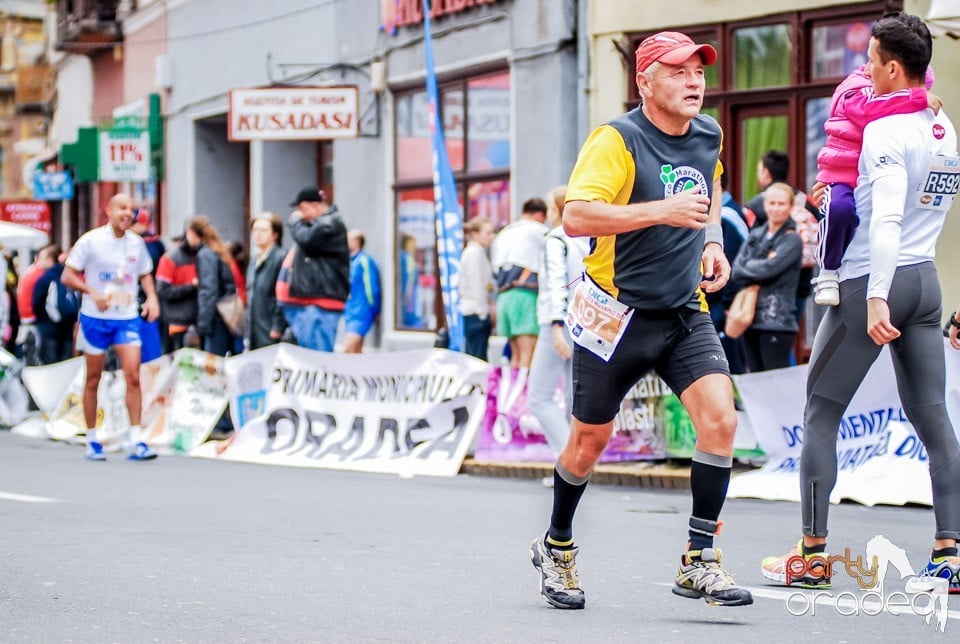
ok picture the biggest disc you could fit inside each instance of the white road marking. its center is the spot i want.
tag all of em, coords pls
(822, 599)
(26, 498)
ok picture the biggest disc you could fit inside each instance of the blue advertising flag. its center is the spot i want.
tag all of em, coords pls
(449, 219)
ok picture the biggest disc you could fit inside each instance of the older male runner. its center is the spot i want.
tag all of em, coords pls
(642, 190)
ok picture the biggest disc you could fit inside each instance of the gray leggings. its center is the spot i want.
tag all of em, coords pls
(842, 355)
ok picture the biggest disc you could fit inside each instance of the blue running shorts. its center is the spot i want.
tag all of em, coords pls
(98, 334)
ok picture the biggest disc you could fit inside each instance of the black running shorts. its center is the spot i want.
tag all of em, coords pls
(681, 347)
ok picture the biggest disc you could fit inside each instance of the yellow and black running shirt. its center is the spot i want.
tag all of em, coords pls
(629, 160)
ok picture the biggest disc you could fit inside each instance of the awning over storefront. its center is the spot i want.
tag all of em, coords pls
(944, 18)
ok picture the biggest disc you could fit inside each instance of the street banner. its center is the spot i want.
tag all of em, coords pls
(880, 458)
(184, 401)
(57, 389)
(13, 397)
(449, 218)
(407, 413)
(651, 424)
(183, 397)
(515, 434)
(248, 377)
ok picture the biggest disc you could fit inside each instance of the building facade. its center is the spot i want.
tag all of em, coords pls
(508, 76)
(521, 81)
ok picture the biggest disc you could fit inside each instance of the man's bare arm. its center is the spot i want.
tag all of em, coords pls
(688, 209)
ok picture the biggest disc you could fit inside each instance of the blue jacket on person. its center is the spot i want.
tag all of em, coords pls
(365, 298)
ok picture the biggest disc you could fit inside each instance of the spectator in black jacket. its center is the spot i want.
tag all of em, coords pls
(265, 321)
(314, 280)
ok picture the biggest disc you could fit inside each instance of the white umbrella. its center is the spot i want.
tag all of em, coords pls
(18, 237)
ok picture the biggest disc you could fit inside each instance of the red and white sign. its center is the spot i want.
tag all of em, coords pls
(294, 113)
(124, 155)
(35, 214)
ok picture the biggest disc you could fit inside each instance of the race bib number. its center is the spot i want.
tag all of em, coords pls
(596, 320)
(120, 297)
(941, 183)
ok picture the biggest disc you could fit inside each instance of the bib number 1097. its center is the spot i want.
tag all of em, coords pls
(596, 320)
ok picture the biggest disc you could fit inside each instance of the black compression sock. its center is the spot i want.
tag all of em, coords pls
(567, 490)
(709, 478)
(943, 552)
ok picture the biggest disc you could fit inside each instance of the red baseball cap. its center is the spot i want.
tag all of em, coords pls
(672, 48)
(143, 217)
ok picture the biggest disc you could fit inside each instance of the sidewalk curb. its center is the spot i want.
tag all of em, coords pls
(653, 475)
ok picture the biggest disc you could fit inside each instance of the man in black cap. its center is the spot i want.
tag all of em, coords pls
(314, 278)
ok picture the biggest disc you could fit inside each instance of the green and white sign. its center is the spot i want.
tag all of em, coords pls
(124, 155)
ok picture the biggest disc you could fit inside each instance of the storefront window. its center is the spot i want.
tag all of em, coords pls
(489, 126)
(711, 73)
(413, 137)
(759, 134)
(763, 56)
(475, 111)
(452, 111)
(416, 259)
(490, 199)
(839, 49)
(817, 111)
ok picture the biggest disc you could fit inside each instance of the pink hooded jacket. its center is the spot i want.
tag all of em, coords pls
(853, 106)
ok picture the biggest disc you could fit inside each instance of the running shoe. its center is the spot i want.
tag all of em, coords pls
(945, 568)
(141, 452)
(700, 575)
(559, 581)
(95, 452)
(811, 575)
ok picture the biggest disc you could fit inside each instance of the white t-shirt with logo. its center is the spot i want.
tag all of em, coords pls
(922, 147)
(111, 265)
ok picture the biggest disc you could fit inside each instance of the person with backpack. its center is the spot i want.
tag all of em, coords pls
(56, 309)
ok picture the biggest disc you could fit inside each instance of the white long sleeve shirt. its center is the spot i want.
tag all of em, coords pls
(476, 281)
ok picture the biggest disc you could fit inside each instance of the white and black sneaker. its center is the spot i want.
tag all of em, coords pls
(700, 575)
(559, 581)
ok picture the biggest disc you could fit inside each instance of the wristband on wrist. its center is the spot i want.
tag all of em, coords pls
(557, 323)
(954, 322)
(714, 235)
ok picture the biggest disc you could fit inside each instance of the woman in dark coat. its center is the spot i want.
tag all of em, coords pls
(215, 279)
(771, 257)
(265, 320)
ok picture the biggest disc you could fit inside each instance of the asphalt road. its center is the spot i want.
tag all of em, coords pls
(191, 550)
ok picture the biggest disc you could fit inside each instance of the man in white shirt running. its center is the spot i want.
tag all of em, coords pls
(112, 259)
(890, 295)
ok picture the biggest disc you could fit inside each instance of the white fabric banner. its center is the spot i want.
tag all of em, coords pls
(183, 396)
(880, 458)
(408, 413)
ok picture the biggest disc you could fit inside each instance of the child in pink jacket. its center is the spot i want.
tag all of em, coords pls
(853, 106)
